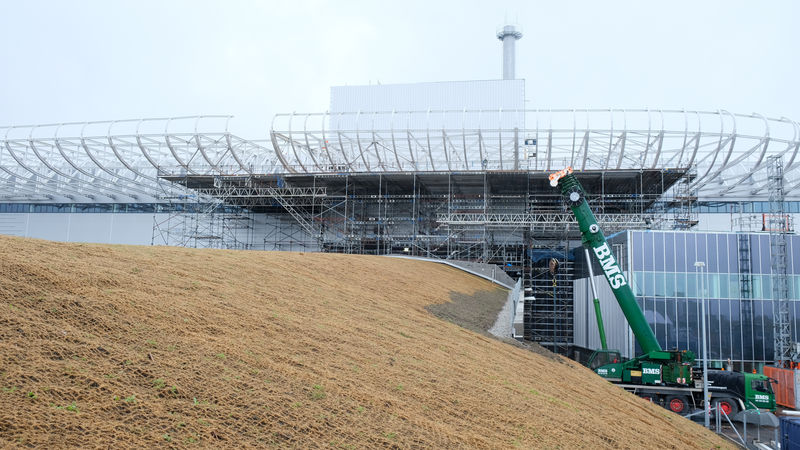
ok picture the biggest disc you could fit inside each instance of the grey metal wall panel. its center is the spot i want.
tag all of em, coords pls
(13, 224)
(455, 96)
(132, 229)
(585, 324)
(579, 313)
(135, 229)
(54, 227)
(90, 228)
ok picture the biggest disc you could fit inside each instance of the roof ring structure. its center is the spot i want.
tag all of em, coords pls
(127, 160)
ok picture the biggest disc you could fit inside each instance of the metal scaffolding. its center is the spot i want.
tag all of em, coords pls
(474, 216)
(203, 220)
(778, 225)
(747, 327)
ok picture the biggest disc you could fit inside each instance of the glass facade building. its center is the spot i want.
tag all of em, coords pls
(738, 291)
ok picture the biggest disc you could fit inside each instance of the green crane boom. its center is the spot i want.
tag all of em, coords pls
(594, 239)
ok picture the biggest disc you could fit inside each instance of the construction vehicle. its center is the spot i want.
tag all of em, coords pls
(666, 377)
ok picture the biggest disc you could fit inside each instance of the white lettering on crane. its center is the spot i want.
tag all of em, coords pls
(610, 267)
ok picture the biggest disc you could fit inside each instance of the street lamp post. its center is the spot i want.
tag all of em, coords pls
(707, 404)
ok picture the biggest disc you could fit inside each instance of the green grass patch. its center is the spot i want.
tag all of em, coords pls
(72, 407)
(318, 392)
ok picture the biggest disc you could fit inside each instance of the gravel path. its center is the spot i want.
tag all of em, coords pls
(502, 327)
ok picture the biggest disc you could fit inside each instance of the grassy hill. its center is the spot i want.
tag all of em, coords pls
(117, 345)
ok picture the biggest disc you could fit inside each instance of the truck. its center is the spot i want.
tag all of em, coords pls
(665, 377)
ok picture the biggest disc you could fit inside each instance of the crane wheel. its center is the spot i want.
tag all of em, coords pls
(677, 404)
(728, 406)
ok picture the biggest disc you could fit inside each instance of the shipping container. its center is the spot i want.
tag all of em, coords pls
(790, 433)
(785, 388)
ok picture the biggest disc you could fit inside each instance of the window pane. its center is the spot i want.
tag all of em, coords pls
(647, 246)
(712, 263)
(693, 335)
(736, 330)
(746, 312)
(713, 285)
(650, 283)
(712, 310)
(724, 284)
(700, 247)
(669, 278)
(669, 252)
(671, 313)
(726, 351)
(693, 281)
(661, 288)
(733, 254)
(680, 252)
(680, 284)
(763, 252)
(690, 249)
(768, 335)
(682, 325)
(766, 286)
(637, 250)
(658, 251)
(638, 284)
(734, 288)
(794, 241)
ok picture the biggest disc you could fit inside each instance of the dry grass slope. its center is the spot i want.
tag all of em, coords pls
(113, 345)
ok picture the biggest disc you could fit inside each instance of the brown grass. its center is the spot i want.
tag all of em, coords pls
(141, 346)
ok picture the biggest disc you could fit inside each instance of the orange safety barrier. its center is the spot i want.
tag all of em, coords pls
(784, 390)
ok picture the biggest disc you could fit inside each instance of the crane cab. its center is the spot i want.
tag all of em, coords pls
(607, 364)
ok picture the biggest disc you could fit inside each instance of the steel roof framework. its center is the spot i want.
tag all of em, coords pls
(728, 150)
(127, 160)
(121, 161)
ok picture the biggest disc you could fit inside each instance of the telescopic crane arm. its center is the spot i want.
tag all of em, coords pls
(593, 239)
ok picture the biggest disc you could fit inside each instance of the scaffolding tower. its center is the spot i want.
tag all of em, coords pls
(203, 220)
(685, 214)
(745, 289)
(778, 226)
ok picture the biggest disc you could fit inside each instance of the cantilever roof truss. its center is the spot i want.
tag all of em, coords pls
(130, 160)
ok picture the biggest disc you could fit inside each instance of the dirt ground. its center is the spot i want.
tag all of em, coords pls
(118, 346)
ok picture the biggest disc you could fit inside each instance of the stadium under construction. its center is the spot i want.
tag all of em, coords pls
(454, 170)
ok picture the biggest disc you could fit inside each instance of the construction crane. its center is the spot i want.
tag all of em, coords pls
(663, 376)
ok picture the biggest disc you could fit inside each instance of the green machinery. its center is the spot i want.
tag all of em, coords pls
(663, 376)
(655, 366)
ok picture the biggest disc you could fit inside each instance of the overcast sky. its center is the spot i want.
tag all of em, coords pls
(96, 60)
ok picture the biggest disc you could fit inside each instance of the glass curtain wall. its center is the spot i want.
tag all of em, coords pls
(667, 286)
